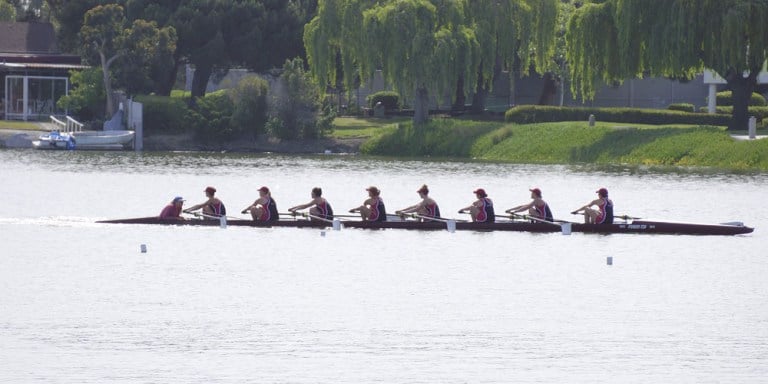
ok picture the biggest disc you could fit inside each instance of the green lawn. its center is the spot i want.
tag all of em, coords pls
(362, 127)
(19, 125)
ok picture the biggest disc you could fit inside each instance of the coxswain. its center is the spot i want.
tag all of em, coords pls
(482, 209)
(604, 212)
(264, 208)
(426, 208)
(172, 211)
(537, 208)
(373, 207)
(320, 207)
(213, 207)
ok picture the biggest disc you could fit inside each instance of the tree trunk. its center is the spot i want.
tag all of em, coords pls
(107, 83)
(741, 88)
(420, 105)
(458, 103)
(200, 79)
(165, 85)
(478, 99)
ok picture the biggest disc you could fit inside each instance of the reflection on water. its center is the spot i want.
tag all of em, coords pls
(81, 303)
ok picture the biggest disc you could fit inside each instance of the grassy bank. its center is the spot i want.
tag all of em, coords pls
(569, 142)
(19, 125)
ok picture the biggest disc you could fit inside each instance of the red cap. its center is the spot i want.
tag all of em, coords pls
(264, 189)
(602, 192)
(210, 190)
(480, 192)
(373, 190)
(423, 189)
(536, 191)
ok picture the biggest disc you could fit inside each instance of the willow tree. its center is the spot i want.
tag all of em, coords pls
(421, 46)
(619, 39)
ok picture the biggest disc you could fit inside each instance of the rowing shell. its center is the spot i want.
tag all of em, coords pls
(635, 226)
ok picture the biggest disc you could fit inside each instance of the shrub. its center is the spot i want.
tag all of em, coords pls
(164, 114)
(250, 105)
(528, 114)
(214, 117)
(390, 100)
(685, 107)
(758, 112)
(725, 98)
(294, 107)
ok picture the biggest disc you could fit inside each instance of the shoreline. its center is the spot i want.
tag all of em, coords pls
(18, 139)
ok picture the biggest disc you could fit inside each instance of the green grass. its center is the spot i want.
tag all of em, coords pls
(19, 125)
(362, 127)
(573, 143)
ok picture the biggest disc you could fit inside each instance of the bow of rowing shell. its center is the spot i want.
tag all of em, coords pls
(636, 226)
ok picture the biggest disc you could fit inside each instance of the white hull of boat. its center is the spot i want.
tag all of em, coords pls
(85, 140)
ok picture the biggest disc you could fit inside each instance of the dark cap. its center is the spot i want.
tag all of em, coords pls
(264, 189)
(210, 190)
(178, 199)
(373, 190)
(536, 191)
(602, 192)
(480, 192)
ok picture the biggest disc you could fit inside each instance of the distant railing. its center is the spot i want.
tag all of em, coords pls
(71, 125)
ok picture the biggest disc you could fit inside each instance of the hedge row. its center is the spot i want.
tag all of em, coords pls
(725, 98)
(528, 114)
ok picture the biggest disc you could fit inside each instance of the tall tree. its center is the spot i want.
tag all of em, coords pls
(106, 36)
(618, 39)
(7, 11)
(428, 46)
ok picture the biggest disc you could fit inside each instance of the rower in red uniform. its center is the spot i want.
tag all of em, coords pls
(264, 208)
(536, 208)
(604, 212)
(373, 207)
(173, 210)
(213, 207)
(427, 207)
(482, 209)
(320, 206)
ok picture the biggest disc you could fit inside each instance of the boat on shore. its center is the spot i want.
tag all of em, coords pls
(85, 140)
(632, 226)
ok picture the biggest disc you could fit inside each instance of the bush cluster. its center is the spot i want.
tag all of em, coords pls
(528, 114)
(685, 107)
(725, 98)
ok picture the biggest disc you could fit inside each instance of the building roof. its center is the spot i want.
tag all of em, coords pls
(27, 38)
(31, 43)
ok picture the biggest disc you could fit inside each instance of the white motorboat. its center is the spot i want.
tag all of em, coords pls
(85, 140)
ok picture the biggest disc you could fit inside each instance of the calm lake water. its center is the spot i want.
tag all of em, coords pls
(79, 302)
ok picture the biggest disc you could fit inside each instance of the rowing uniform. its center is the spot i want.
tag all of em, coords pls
(543, 211)
(270, 210)
(171, 211)
(378, 212)
(217, 209)
(432, 210)
(486, 213)
(326, 212)
(606, 212)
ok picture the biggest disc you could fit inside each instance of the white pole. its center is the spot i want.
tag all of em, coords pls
(712, 99)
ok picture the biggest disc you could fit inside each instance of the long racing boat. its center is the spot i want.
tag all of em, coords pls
(630, 226)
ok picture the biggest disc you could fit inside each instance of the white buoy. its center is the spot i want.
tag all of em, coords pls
(322, 233)
(223, 221)
(336, 224)
(566, 228)
(451, 225)
(610, 260)
(143, 248)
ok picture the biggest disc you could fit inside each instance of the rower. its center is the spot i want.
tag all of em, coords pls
(604, 212)
(213, 207)
(321, 209)
(373, 207)
(172, 211)
(426, 208)
(537, 208)
(264, 208)
(482, 209)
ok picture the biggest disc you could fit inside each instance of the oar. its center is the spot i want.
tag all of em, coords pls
(565, 226)
(336, 224)
(222, 219)
(622, 217)
(450, 224)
